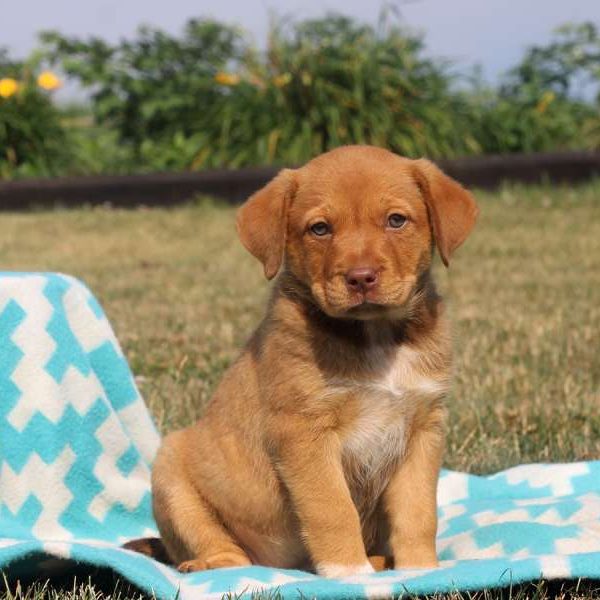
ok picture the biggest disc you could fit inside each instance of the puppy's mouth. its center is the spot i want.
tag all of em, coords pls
(364, 301)
(368, 306)
(384, 302)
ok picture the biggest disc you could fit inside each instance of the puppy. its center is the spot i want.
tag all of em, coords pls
(323, 442)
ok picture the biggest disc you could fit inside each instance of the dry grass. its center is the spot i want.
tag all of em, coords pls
(87, 589)
(524, 293)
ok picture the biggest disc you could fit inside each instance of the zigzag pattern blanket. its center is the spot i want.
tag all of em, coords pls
(76, 444)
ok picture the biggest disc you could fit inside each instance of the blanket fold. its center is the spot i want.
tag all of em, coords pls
(77, 442)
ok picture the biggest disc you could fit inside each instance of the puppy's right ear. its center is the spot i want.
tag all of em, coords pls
(262, 221)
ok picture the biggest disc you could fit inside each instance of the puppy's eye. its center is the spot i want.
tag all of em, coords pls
(396, 220)
(321, 228)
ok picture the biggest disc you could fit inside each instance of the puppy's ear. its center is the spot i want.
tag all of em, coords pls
(452, 209)
(262, 221)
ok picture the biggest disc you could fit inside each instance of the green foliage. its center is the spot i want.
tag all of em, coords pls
(156, 85)
(537, 121)
(32, 139)
(539, 104)
(326, 82)
(209, 98)
(571, 58)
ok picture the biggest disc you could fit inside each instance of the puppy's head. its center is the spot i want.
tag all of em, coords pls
(357, 226)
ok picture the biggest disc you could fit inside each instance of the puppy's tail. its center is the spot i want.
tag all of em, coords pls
(151, 547)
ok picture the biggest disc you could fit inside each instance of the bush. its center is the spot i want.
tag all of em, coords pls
(32, 139)
(326, 82)
(156, 86)
(537, 107)
(210, 99)
(535, 120)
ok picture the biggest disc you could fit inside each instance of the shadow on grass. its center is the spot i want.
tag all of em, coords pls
(70, 582)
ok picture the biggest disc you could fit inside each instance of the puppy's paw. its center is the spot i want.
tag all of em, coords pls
(215, 561)
(189, 566)
(336, 570)
(227, 559)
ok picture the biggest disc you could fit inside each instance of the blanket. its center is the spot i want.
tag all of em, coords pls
(77, 443)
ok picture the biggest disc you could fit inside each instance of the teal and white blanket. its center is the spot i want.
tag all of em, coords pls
(76, 444)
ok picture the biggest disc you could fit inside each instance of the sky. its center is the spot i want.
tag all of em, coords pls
(491, 33)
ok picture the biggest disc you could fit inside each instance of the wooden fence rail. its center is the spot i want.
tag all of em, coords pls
(169, 189)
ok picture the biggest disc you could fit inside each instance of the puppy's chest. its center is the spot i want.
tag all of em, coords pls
(376, 439)
(383, 408)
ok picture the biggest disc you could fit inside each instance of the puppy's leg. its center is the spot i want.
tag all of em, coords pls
(191, 531)
(411, 498)
(312, 471)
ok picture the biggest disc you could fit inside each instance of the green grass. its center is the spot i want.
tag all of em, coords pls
(524, 295)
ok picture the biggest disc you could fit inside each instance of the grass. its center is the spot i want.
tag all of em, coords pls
(524, 295)
(88, 590)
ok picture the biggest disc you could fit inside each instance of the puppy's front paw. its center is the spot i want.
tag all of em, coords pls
(189, 566)
(215, 561)
(336, 570)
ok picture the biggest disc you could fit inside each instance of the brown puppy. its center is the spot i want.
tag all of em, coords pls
(323, 443)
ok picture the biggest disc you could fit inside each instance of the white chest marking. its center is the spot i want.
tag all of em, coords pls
(376, 440)
(403, 376)
(386, 405)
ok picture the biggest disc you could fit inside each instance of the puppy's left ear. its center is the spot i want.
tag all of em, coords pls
(262, 221)
(452, 209)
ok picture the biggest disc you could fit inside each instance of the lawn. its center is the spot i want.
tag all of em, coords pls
(524, 295)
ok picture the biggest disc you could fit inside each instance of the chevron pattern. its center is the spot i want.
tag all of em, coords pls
(76, 445)
(64, 386)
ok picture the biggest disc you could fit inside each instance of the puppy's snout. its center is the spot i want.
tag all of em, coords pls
(361, 279)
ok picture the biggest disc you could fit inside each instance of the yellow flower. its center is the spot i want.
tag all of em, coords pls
(48, 81)
(282, 79)
(546, 99)
(227, 78)
(8, 87)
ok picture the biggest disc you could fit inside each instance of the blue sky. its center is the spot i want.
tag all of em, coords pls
(492, 33)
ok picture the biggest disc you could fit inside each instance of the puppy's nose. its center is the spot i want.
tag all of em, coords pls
(361, 279)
